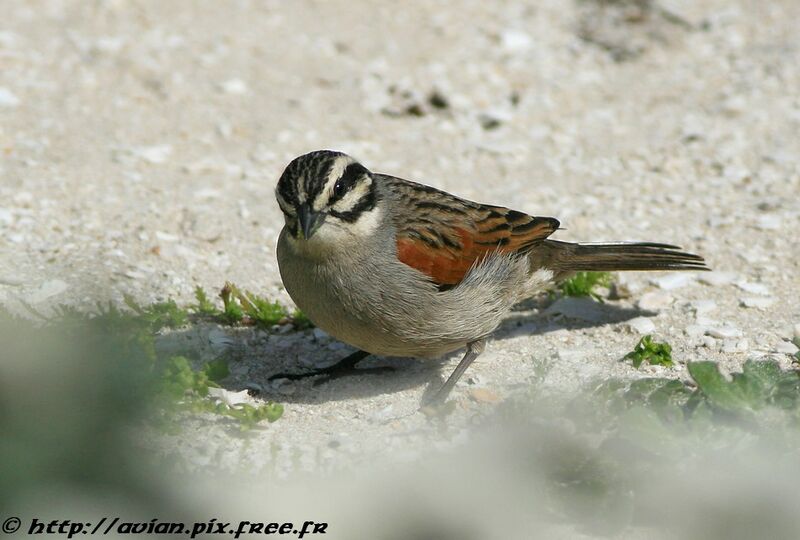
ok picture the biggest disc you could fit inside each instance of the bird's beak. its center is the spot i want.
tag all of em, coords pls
(309, 220)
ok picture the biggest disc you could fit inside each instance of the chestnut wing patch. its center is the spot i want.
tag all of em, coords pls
(447, 240)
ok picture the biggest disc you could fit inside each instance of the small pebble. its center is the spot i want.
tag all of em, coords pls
(724, 332)
(786, 347)
(382, 415)
(13, 281)
(47, 290)
(717, 279)
(228, 397)
(758, 302)
(234, 87)
(695, 330)
(515, 41)
(709, 342)
(641, 325)
(753, 288)
(154, 154)
(320, 334)
(6, 217)
(482, 395)
(769, 222)
(655, 301)
(8, 99)
(703, 307)
(673, 281)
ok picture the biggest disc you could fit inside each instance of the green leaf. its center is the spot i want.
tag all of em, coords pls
(216, 370)
(204, 306)
(718, 391)
(584, 283)
(652, 352)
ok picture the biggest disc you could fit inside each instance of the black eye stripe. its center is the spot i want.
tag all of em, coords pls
(350, 175)
(365, 204)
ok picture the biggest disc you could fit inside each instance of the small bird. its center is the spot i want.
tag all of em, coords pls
(397, 268)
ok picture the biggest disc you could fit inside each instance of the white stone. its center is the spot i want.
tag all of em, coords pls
(724, 332)
(515, 41)
(13, 281)
(786, 347)
(8, 99)
(732, 346)
(47, 290)
(229, 398)
(655, 301)
(753, 288)
(234, 86)
(320, 334)
(673, 281)
(709, 342)
(641, 325)
(769, 222)
(381, 416)
(154, 154)
(717, 279)
(703, 307)
(166, 237)
(695, 330)
(6, 217)
(758, 302)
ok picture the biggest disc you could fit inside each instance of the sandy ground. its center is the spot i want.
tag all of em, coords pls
(141, 142)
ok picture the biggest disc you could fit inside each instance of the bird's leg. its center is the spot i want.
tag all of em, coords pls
(474, 349)
(343, 368)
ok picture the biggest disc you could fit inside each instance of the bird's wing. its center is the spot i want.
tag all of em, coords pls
(444, 236)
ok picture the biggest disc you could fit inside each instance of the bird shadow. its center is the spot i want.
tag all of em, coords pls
(255, 355)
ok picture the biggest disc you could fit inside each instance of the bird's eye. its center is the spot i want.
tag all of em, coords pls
(339, 188)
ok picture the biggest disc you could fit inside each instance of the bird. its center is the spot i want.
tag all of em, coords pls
(397, 268)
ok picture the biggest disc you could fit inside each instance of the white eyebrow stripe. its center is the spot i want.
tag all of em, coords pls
(349, 201)
(301, 190)
(337, 169)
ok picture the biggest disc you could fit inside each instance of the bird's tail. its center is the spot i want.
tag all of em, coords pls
(567, 257)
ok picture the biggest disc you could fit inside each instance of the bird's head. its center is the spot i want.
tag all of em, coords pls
(328, 198)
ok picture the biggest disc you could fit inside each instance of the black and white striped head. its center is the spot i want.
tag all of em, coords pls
(327, 193)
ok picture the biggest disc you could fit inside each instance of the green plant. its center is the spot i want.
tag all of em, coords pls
(584, 283)
(159, 314)
(204, 306)
(657, 354)
(244, 306)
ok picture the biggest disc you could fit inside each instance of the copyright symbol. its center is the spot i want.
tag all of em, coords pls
(11, 525)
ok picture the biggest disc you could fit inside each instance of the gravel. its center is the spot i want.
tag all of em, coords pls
(141, 144)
